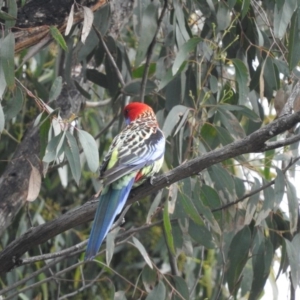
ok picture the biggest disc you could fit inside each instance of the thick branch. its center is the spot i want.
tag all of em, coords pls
(255, 142)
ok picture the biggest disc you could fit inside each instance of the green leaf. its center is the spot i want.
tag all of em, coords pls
(133, 88)
(294, 260)
(209, 134)
(12, 11)
(241, 77)
(294, 42)
(282, 17)
(143, 251)
(55, 88)
(245, 7)
(2, 119)
(223, 135)
(53, 148)
(138, 72)
(148, 29)
(72, 153)
(261, 261)
(7, 46)
(82, 91)
(231, 123)
(183, 53)
(168, 228)
(158, 293)
(207, 193)
(191, 209)
(268, 204)
(2, 81)
(174, 116)
(149, 277)
(223, 181)
(97, 78)
(293, 205)
(90, 149)
(200, 234)
(279, 186)
(182, 288)
(6, 17)
(242, 109)
(58, 37)
(14, 105)
(252, 203)
(110, 244)
(237, 257)
(154, 206)
(223, 17)
(168, 77)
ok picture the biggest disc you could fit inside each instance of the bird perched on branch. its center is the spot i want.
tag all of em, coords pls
(135, 154)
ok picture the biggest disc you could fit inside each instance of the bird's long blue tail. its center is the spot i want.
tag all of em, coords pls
(112, 201)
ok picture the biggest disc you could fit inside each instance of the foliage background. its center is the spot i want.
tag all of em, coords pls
(214, 72)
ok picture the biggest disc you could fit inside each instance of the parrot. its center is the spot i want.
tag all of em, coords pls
(135, 155)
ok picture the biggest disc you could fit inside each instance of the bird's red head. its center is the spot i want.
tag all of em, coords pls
(133, 110)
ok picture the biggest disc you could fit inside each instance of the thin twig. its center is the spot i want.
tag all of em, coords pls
(31, 276)
(150, 50)
(257, 190)
(286, 142)
(98, 33)
(73, 250)
(43, 281)
(199, 273)
(84, 287)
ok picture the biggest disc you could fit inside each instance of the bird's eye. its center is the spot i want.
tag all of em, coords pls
(126, 112)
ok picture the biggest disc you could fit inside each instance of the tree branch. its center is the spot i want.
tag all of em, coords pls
(255, 142)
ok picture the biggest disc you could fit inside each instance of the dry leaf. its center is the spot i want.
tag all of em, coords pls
(70, 20)
(279, 101)
(87, 23)
(34, 184)
(297, 103)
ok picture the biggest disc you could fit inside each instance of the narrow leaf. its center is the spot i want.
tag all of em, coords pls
(72, 153)
(293, 205)
(143, 251)
(87, 23)
(70, 20)
(110, 244)
(55, 88)
(282, 17)
(7, 46)
(2, 119)
(154, 206)
(237, 257)
(168, 229)
(148, 29)
(279, 186)
(34, 185)
(158, 293)
(184, 52)
(90, 149)
(58, 37)
(14, 105)
(174, 116)
(241, 77)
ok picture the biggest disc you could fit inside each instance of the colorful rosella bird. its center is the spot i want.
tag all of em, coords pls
(135, 154)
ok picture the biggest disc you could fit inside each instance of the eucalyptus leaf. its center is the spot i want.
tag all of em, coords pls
(148, 29)
(90, 149)
(158, 293)
(72, 153)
